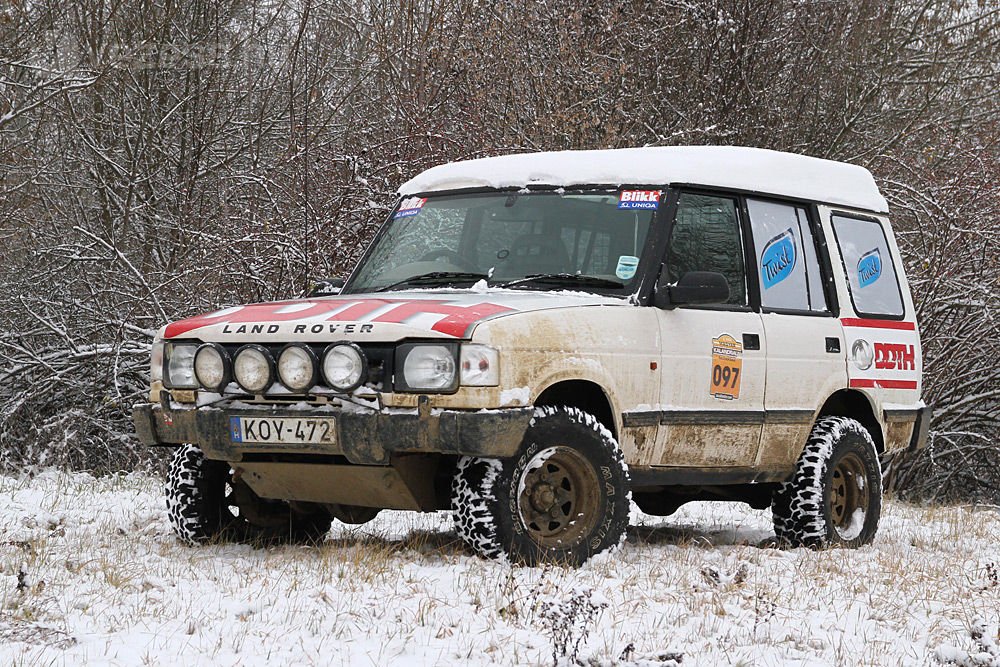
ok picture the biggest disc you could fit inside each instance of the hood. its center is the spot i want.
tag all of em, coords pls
(406, 314)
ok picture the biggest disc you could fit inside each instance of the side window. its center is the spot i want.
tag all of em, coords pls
(789, 276)
(706, 237)
(868, 265)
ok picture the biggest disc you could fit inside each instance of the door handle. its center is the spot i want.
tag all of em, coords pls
(832, 345)
(751, 341)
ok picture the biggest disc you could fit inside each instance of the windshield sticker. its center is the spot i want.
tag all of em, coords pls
(778, 259)
(869, 268)
(639, 199)
(410, 207)
(727, 367)
(627, 265)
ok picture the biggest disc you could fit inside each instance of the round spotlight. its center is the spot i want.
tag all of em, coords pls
(253, 368)
(297, 367)
(211, 367)
(344, 366)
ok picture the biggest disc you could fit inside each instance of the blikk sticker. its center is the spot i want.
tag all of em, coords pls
(869, 268)
(727, 367)
(627, 265)
(410, 207)
(778, 259)
(648, 200)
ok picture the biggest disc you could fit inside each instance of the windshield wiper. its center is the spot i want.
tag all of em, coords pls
(564, 279)
(436, 278)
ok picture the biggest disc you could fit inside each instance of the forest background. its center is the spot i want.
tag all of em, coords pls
(164, 157)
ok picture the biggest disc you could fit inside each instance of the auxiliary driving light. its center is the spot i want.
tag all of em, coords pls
(344, 366)
(297, 367)
(253, 368)
(211, 367)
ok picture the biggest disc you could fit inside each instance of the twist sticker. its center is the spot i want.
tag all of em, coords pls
(869, 268)
(727, 367)
(778, 259)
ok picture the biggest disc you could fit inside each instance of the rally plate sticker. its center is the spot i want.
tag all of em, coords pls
(727, 366)
(283, 431)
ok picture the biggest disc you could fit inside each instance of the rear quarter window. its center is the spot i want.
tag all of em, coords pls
(871, 273)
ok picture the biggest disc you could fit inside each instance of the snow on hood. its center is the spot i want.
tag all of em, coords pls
(424, 313)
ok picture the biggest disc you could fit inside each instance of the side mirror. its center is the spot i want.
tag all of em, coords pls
(325, 287)
(693, 287)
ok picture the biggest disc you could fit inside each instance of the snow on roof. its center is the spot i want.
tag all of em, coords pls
(751, 169)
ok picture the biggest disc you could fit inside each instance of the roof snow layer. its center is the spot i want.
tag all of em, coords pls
(749, 169)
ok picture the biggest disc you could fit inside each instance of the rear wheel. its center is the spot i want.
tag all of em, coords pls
(835, 495)
(562, 499)
(205, 503)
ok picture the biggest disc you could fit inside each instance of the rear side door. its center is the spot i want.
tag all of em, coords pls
(806, 360)
(713, 356)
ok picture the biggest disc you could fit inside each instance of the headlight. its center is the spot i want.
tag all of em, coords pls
(297, 367)
(344, 366)
(211, 367)
(253, 368)
(426, 367)
(480, 366)
(156, 362)
(179, 365)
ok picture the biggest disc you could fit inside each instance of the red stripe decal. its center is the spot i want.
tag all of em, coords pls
(879, 324)
(883, 384)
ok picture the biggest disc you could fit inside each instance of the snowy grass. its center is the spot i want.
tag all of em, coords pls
(90, 573)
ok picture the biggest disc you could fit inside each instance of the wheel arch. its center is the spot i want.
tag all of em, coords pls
(585, 395)
(855, 405)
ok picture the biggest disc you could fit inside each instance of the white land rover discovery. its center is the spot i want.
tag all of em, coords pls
(531, 340)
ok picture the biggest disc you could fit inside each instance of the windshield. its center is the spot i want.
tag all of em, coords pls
(584, 240)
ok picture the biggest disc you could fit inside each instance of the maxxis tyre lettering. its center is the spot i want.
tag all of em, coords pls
(801, 507)
(486, 492)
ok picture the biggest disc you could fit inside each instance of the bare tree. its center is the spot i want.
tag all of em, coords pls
(160, 158)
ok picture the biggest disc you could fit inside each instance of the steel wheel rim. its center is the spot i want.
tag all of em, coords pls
(558, 497)
(848, 494)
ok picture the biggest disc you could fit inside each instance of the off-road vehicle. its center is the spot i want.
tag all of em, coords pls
(532, 340)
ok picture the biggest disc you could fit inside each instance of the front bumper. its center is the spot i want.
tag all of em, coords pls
(364, 438)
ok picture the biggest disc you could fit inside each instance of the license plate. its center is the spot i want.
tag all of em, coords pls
(283, 430)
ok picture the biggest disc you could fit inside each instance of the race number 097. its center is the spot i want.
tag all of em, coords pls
(727, 367)
(725, 377)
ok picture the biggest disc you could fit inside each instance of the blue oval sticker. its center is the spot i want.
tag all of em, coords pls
(778, 259)
(869, 268)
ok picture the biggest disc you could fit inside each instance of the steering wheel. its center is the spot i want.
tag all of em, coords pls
(451, 255)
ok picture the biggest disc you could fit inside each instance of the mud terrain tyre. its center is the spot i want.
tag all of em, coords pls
(562, 499)
(834, 498)
(205, 504)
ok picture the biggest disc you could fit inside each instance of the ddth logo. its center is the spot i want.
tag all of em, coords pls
(895, 356)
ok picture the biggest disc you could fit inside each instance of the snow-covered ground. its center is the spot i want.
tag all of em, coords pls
(91, 574)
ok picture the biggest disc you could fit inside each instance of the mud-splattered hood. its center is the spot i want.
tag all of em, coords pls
(390, 317)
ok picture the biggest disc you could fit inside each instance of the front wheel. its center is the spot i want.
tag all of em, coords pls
(562, 499)
(834, 498)
(205, 504)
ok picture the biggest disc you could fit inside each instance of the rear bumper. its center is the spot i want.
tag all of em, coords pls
(920, 428)
(365, 438)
